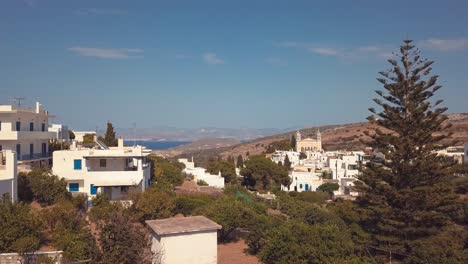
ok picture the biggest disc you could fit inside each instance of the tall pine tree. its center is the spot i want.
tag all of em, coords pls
(407, 198)
(109, 137)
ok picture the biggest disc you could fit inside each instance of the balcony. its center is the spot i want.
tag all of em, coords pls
(19, 135)
(36, 156)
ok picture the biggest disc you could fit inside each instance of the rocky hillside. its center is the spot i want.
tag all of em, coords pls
(345, 136)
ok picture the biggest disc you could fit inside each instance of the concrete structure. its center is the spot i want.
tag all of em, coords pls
(8, 174)
(280, 156)
(61, 132)
(114, 171)
(79, 135)
(303, 181)
(308, 144)
(24, 130)
(184, 240)
(199, 173)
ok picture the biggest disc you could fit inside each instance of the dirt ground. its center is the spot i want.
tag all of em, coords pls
(235, 253)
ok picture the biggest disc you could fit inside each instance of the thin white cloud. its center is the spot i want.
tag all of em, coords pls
(107, 53)
(324, 51)
(212, 58)
(342, 53)
(445, 44)
(99, 11)
(277, 62)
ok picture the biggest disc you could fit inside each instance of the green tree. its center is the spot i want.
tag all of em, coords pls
(329, 188)
(153, 204)
(166, 171)
(230, 214)
(260, 173)
(293, 141)
(240, 161)
(287, 163)
(20, 228)
(88, 139)
(227, 169)
(43, 186)
(109, 137)
(71, 135)
(123, 242)
(407, 199)
(296, 242)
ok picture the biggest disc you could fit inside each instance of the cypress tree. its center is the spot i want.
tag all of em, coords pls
(293, 141)
(240, 161)
(287, 163)
(109, 137)
(407, 198)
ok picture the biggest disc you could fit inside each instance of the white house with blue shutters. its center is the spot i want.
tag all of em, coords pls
(114, 171)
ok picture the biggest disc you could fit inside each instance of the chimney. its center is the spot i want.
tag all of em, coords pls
(120, 143)
(38, 107)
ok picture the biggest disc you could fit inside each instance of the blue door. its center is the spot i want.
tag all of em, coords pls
(73, 187)
(93, 189)
(307, 187)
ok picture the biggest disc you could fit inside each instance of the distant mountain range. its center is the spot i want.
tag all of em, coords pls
(193, 134)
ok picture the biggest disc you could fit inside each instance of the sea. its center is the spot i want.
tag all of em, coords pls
(156, 145)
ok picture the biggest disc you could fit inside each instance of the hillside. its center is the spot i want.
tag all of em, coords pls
(344, 136)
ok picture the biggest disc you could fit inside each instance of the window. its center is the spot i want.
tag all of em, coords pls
(31, 126)
(43, 127)
(0, 125)
(300, 186)
(73, 187)
(18, 151)
(31, 150)
(44, 148)
(93, 189)
(1, 148)
(77, 164)
(18, 126)
(123, 189)
(102, 163)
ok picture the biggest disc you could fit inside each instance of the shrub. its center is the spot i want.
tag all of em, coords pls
(153, 204)
(20, 227)
(43, 186)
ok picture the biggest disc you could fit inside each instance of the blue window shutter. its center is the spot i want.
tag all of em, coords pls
(93, 189)
(77, 164)
(73, 187)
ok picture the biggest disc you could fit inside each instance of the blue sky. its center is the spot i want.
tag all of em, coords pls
(254, 64)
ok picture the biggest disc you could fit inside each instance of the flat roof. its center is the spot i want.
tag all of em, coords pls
(177, 225)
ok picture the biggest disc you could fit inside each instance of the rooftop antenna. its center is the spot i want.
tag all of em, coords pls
(17, 100)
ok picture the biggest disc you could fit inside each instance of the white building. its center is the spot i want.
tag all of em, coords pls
(345, 169)
(184, 240)
(280, 156)
(457, 153)
(79, 135)
(8, 174)
(61, 132)
(303, 181)
(114, 171)
(24, 130)
(199, 173)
